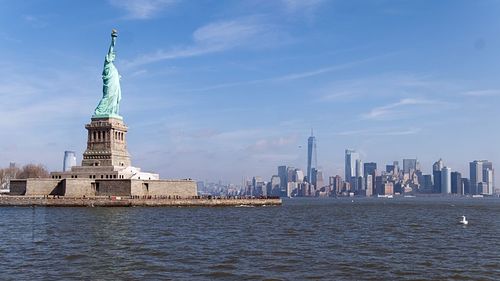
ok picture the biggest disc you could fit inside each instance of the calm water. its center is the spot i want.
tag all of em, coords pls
(329, 239)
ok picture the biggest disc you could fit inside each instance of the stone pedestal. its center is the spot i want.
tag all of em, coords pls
(106, 143)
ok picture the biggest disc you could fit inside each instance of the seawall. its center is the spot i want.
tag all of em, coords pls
(135, 202)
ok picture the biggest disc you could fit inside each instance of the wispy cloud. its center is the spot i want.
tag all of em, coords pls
(290, 76)
(386, 85)
(393, 110)
(249, 32)
(482, 93)
(381, 132)
(142, 9)
(306, 7)
(36, 21)
(33, 95)
(271, 144)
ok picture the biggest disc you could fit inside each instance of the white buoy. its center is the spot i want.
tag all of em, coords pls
(463, 221)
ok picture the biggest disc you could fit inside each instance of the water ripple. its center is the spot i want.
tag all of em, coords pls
(333, 239)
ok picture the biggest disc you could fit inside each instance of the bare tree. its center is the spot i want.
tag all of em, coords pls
(33, 171)
(6, 174)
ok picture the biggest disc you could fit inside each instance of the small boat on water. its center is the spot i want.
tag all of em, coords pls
(463, 221)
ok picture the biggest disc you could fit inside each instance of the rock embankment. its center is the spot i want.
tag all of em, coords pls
(130, 202)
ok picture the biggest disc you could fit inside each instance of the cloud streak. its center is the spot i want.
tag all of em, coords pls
(142, 9)
(290, 76)
(381, 132)
(394, 109)
(306, 7)
(482, 93)
(249, 32)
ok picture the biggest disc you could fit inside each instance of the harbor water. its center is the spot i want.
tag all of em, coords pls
(305, 239)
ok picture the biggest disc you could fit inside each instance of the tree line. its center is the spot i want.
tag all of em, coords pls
(27, 171)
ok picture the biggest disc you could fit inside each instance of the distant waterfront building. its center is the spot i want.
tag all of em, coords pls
(456, 183)
(488, 180)
(392, 169)
(311, 156)
(482, 187)
(369, 185)
(482, 171)
(388, 188)
(283, 174)
(389, 168)
(317, 178)
(290, 174)
(380, 182)
(466, 186)
(427, 184)
(291, 189)
(409, 165)
(337, 184)
(370, 169)
(298, 176)
(359, 168)
(396, 167)
(69, 160)
(446, 180)
(437, 167)
(350, 163)
(476, 175)
(259, 187)
(353, 168)
(275, 185)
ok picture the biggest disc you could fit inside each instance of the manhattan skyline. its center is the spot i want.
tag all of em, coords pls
(222, 90)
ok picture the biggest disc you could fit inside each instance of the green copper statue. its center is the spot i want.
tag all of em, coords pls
(109, 105)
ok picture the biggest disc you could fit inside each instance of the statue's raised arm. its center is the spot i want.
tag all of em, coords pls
(111, 92)
(111, 52)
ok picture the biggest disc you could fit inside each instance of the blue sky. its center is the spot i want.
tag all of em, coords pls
(230, 89)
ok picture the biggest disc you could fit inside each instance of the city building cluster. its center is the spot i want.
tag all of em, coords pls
(364, 179)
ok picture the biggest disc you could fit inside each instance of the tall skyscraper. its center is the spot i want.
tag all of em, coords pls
(446, 180)
(466, 185)
(476, 175)
(351, 158)
(369, 185)
(298, 176)
(370, 169)
(359, 168)
(456, 183)
(317, 178)
(427, 184)
(488, 180)
(437, 167)
(311, 155)
(481, 171)
(283, 174)
(489, 177)
(69, 160)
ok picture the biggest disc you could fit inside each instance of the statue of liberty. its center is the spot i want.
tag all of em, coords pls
(109, 105)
